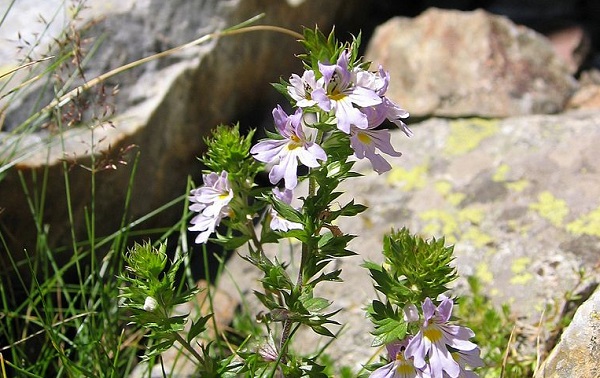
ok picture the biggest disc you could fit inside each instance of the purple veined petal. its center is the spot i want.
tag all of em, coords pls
(444, 309)
(441, 360)
(321, 98)
(301, 88)
(460, 343)
(380, 139)
(386, 371)
(205, 225)
(281, 224)
(360, 148)
(316, 151)
(210, 179)
(364, 97)
(290, 165)
(284, 196)
(197, 207)
(268, 150)
(471, 358)
(367, 79)
(296, 87)
(395, 114)
(347, 115)
(328, 71)
(203, 237)
(378, 162)
(385, 76)
(209, 196)
(296, 120)
(287, 170)
(281, 121)
(416, 350)
(394, 110)
(307, 158)
(428, 309)
(375, 115)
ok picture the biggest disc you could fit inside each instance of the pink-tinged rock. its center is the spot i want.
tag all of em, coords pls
(451, 63)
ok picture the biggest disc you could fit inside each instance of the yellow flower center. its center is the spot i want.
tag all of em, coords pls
(337, 96)
(432, 333)
(294, 143)
(364, 138)
(403, 367)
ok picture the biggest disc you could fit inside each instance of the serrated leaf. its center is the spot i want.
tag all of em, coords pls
(389, 330)
(288, 212)
(316, 304)
(198, 327)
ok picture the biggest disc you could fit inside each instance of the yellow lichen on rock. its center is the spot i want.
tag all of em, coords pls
(445, 189)
(519, 268)
(467, 134)
(409, 179)
(588, 224)
(550, 208)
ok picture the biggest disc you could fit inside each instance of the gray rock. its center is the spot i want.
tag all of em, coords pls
(578, 352)
(450, 63)
(518, 197)
(165, 108)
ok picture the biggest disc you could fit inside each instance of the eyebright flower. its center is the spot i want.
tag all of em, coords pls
(339, 94)
(286, 152)
(279, 223)
(301, 88)
(364, 142)
(399, 367)
(430, 345)
(463, 358)
(387, 109)
(211, 202)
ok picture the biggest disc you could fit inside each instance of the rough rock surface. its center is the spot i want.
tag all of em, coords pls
(578, 352)
(518, 197)
(165, 108)
(450, 63)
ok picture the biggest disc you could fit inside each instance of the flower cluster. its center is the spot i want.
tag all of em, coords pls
(211, 202)
(351, 98)
(438, 350)
(342, 98)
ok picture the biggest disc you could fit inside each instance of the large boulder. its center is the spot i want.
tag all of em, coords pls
(578, 352)
(451, 63)
(164, 109)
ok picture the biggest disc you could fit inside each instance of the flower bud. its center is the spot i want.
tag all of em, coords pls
(411, 313)
(150, 304)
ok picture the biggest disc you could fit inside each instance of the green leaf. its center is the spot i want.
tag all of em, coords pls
(321, 330)
(351, 209)
(231, 242)
(198, 327)
(392, 330)
(317, 304)
(286, 211)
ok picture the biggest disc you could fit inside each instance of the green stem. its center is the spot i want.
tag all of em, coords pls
(188, 347)
(306, 252)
